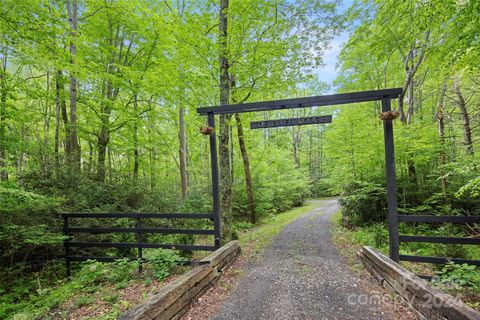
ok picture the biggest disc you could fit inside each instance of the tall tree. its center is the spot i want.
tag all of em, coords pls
(74, 149)
(467, 131)
(182, 135)
(247, 172)
(3, 111)
(182, 151)
(224, 145)
(440, 115)
(412, 61)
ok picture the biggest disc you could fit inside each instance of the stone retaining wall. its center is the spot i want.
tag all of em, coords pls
(429, 302)
(172, 301)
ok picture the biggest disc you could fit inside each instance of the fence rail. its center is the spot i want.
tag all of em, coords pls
(95, 230)
(437, 260)
(139, 230)
(139, 245)
(141, 215)
(449, 240)
(438, 219)
(438, 239)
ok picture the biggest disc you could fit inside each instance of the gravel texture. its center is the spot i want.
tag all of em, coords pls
(301, 275)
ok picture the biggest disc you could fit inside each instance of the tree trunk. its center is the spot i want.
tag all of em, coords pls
(74, 145)
(110, 164)
(411, 101)
(57, 119)
(296, 146)
(182, 136)
(153, 160)
(111, 94)
(104, 133)
(135, 138)
(412, 171)
(103, 138)
(320, 156)
(246, 169)
(3, 118)
(441, 133)
(410, 72)
(90, 158)
(467, 131)
(182, 152)
(224, 145)
(311, 159)
(46, 128)
(64, 114)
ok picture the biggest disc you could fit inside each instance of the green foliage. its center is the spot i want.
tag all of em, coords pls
(163, 262)
(363, 202)
(93, 272)
(380, 234)
(84, 301)
(112, 299)
(196, 202)
(36, 295)
(242, 225)
(148, 282)
(450, 251)
(471, 190)
(17, 201)
(460, 276)
(279, 186)
(322, 188)
(29, 227)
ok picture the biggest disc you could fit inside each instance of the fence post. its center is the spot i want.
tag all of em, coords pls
(215, 181)
(139, 226)
(393, 240)
(67, 246)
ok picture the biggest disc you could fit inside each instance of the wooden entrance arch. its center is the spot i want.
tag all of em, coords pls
(385, 96)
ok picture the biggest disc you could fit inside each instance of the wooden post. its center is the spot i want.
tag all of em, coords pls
(139, 226)
(391, 183)
(67, 247)
(215, 180)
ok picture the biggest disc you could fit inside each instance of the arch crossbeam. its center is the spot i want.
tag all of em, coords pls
(326, 100)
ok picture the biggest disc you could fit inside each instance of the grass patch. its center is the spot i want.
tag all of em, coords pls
(254, 240)
(348, 242)
(84, 301)
(351, 240)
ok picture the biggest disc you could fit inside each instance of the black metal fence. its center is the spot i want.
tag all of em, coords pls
(139, 230)
(438, 239)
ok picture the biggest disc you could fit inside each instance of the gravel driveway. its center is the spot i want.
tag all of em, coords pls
(300, 276)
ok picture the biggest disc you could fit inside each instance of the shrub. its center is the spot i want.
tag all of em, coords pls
(242, 225)
(470, 190)
(460, 276)
(278, 185)
(323, 187)
(163, 262)
(84, 301)
(450, 251)
(93, 272)
(29, 228)
(363, 202)
(380, 234)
